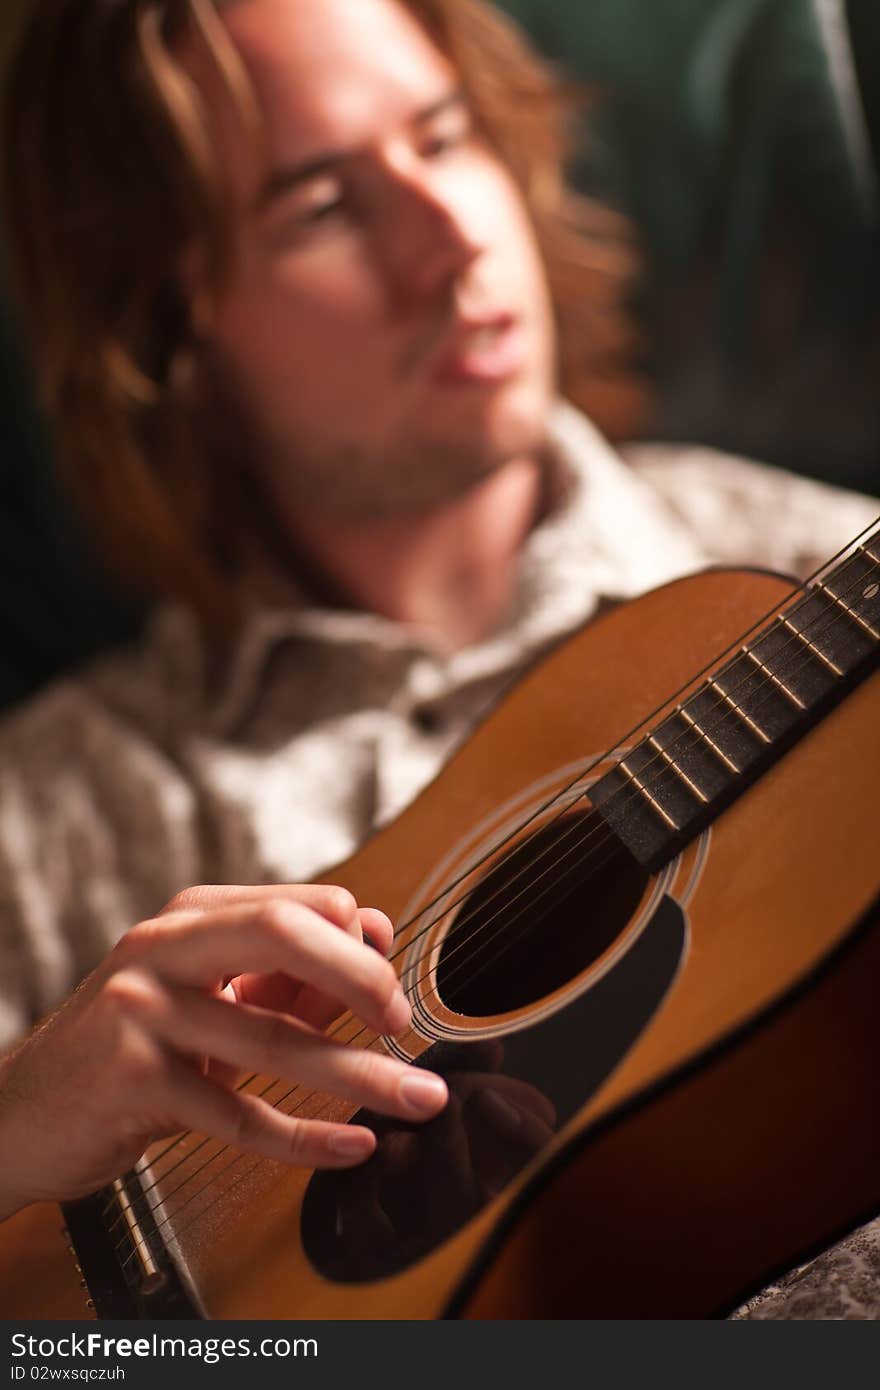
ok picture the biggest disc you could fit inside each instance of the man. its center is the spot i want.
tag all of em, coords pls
(278, 263)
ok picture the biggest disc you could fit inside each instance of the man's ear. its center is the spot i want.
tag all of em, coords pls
(194, 285)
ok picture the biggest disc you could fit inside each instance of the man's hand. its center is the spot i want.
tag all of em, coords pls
(222, 980)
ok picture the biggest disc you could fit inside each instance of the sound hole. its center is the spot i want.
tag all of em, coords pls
(540, 917)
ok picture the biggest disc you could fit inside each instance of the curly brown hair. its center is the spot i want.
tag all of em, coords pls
(111, 172)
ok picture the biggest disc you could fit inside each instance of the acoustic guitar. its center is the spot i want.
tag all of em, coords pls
(638, 924)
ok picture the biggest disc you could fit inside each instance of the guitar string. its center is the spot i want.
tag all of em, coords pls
(241, 1157)
(485, 943)
(271, 1084)
(594, 867)
(233, 1162)
(347, 1022)
(180, 1139)
(341, 1024)
(238, 1157)
(257, 1162)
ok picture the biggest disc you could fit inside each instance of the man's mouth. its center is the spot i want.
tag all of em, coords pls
(486, 350)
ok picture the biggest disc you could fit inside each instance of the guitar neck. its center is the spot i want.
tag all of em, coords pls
(713, 745)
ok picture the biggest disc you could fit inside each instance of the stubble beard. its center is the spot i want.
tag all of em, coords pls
(404, 478)
(408, 478)
(349, 485)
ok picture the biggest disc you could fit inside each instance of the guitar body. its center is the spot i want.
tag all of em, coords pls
(650, 1122)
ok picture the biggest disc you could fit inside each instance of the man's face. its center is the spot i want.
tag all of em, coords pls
(387, 327)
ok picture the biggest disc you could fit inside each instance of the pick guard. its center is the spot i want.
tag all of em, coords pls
(373, 1221)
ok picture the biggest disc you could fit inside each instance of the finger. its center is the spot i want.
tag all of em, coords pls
(363, 923)
(282, 995)
(377, 928)
(285, 995)
(247, 1122)
(268, 937)
(335, 903)
(319, 1011)
(273, 1044)
(276, 991)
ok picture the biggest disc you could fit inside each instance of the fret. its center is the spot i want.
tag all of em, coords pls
(720, 739)
(820, 616)
(805, 676)
(856, 617)
(780, 685)
(682, 711)
(677, 769)
(865, 548)
(698, 776)
(652, 801)
(728, 700)
(733, 735)
(817, 652)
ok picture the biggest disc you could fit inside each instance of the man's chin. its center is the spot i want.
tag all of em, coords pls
(432, 460)
(509, 425)
(517, 422)
(452, 468)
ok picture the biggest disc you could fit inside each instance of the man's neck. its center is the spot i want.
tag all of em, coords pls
(451, 571)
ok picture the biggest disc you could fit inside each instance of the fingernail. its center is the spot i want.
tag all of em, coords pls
(399, 1014)
(351, 1143)
(423, 1094)
(367, 930)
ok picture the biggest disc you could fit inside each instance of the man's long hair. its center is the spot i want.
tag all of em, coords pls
(111, 173)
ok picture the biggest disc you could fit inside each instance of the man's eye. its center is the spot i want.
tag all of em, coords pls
(322, 212)
(320, 202)
(302, 219)
(439, 144)
(455, 131)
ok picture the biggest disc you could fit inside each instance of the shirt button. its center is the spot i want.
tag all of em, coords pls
(426, 719)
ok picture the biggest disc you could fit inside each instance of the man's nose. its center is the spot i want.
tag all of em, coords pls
(426, 242)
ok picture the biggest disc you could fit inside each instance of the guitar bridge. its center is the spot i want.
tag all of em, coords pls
(128, 1271)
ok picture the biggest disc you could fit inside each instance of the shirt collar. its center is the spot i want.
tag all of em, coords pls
(608, 535)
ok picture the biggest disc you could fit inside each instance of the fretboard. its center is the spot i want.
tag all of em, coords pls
(714, 744)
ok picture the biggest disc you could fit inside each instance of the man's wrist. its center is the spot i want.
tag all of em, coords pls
(13, 1187)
